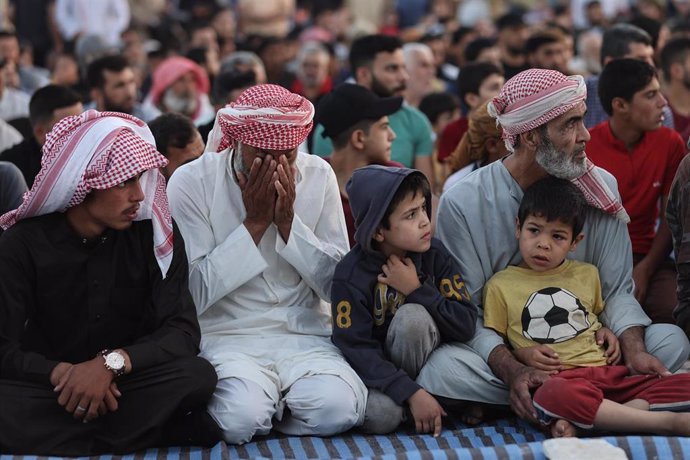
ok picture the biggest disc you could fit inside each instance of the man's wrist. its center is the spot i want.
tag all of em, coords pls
(256, 229)
(504, 364)
(631, 342)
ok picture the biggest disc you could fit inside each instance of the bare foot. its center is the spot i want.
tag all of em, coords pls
(563, 429)
(473, 414)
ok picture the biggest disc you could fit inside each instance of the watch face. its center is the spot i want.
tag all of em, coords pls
(115, 361)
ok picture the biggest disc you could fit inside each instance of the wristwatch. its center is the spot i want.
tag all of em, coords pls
(114, 362)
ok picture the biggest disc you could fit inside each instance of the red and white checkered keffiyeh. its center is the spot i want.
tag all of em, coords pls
(598, 194)
(534, 97)
(97, 151)
(172, 69)
(264, 116)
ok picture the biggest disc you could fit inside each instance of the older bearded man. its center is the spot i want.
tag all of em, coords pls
(541, 113)
(266, 229)
(96, 321)
(180, 85)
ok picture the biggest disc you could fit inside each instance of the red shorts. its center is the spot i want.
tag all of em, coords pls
(576, 394)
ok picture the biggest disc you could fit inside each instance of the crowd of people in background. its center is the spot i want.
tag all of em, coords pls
(482, 98)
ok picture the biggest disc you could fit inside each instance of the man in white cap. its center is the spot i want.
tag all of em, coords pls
(98, 332)
(541, 113)
(265, 230)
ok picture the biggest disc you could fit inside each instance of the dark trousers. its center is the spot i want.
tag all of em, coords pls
(153, 409)
(661, 297)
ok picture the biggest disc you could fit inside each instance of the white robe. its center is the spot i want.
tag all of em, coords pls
(263, 303)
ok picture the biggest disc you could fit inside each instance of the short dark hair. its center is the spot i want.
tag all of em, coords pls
(413, 183)
(554, 199)
(48, 99)
(476, 46)
(364, 49)
(342, 138)
(649, 25)
(674, 52)
(623, 78)
(172, 129)
(543, 37)
(460, 33)
(434, 104)
(95, 77)
(616, 41)
(473, 75)
(510, 20)
(228, 81)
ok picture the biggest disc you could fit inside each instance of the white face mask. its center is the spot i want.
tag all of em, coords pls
(185, 105)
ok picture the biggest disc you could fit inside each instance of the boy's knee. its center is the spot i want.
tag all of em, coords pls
(413, 322)
(382, 414)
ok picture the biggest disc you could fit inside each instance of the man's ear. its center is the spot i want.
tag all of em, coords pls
(472, 100)
(618, 104)
(676, 71)
(96, 96)
(363, 76)
(357, 139)
(378, 235)
(531, 138)
(576, 241)
(40, 129)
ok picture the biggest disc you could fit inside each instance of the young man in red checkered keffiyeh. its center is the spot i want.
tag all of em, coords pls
(97, 323)
(264, 230)
(541, 113)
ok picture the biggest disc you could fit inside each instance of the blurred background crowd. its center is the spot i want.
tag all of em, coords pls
(191, 57)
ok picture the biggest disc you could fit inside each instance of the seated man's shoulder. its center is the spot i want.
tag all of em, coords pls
(412, 115)
(477, 186)
(31, 230)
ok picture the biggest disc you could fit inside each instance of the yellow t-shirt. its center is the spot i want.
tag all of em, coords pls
(558, 308)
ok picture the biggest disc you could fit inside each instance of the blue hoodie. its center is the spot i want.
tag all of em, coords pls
(363, 308)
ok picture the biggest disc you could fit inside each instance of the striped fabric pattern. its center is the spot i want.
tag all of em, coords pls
(505, 439)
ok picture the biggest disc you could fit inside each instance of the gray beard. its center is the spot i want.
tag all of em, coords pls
(557, 162)
(184, 105)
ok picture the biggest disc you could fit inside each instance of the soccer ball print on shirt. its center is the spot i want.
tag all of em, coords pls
(553, 315)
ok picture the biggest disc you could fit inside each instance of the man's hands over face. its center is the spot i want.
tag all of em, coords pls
(284, 208)
(269, 196)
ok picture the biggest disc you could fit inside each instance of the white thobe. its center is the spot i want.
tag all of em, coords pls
(263, 303)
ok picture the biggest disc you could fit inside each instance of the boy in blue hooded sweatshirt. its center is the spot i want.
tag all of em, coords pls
(396, 296)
